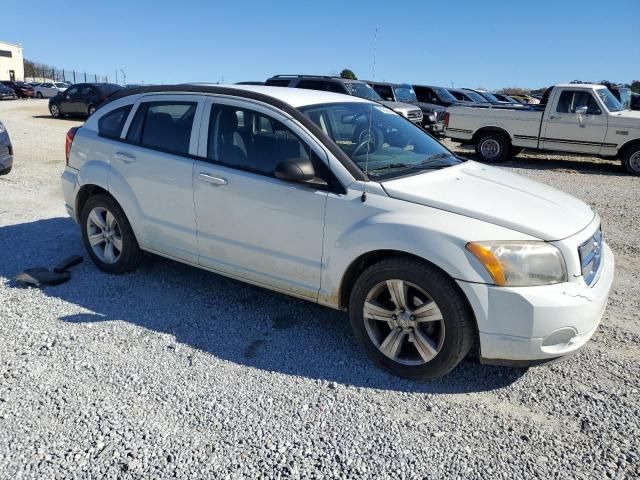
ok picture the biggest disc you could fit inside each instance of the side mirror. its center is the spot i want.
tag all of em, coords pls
(582, 111)
(295, 170)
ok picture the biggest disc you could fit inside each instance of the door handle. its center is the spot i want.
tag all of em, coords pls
(205, 177)
(125, 157)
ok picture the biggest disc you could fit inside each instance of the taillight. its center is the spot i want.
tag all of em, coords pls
(446, 119)
(69, 141)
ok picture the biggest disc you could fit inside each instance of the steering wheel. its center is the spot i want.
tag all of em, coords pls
(365, 139)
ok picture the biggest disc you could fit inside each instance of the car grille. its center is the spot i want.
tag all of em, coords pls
(591, 258)
(414, 114)
(440, 115)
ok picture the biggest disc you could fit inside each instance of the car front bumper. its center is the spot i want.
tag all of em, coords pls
(530, 325)
(435, 129)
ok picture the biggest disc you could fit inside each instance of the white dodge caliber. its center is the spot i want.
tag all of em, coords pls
(341, 201)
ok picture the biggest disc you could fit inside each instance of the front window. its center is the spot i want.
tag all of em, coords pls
(609, 100)
(379, 141)
(490, 96)
(362, 90)
(405, 93)
(444, 95)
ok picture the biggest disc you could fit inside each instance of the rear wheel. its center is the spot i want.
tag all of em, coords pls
(493, 147)
(91, 110)
(411, 319)
(108, 236)
(631, 159)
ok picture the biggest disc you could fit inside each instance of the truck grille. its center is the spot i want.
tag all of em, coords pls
(591, 257)
(414, 114)
(440, 115)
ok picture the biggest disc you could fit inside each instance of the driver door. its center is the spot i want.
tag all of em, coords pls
(566, 130)
(251, 225)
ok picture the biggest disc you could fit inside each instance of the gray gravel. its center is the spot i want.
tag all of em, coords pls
(175, 372)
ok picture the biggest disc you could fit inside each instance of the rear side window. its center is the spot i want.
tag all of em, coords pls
(110, 125)
(163, 126)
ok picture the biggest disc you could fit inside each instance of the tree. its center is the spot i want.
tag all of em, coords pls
(346, 73)
(635, 86)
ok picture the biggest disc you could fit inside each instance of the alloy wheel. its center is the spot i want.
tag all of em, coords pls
(634, 162)
(404, 322)
(55, 111)
(104, 235)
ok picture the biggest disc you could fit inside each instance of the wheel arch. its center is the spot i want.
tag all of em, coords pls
(635, 142)
(488, 129)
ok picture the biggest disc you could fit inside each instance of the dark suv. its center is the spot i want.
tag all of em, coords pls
(81, 99)
(432, 114)
(436, 95)
(346, 87)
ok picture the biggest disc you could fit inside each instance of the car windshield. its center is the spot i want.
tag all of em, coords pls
(444, 95)
(61, 85)
(382, 143)
(476, 97)
(490, 96)
(405, 93)
(362, 90)
(609, 100)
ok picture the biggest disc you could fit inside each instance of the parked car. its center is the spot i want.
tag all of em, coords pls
(49, 89)
(432, 114)
(493, 100)
(468, 96)
(340, 201)
(7, 93)
(527, 99)
(577, 118)
(347, 87)
(81, 99)
(635, 101)
(435, 95)
(507, 98)
(250, 82)
(6, 151)
(22, 89)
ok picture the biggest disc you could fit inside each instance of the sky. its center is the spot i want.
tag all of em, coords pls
(490, 44)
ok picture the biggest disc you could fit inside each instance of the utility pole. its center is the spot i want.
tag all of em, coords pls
(124, 77)
(116, 76)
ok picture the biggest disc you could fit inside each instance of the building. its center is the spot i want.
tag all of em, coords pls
(11, 62)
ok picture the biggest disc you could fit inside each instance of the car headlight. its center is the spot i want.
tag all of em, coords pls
(520, 264)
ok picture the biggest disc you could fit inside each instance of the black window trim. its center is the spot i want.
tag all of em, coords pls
(573, 92)
(333, 184)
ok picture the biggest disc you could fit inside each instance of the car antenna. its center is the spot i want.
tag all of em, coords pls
(373, 79)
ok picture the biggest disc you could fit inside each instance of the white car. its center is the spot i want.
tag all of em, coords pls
(49, 89)
(340, 201)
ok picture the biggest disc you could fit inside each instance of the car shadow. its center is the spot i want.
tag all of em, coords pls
(541, 161)
(71, 118)
(225, 318)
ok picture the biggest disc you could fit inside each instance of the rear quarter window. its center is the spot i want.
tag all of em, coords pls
(110, 125)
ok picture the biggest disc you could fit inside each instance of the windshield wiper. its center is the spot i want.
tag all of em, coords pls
(436, 156)
(391, 165)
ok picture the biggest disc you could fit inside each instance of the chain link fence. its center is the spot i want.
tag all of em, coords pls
(72, 76)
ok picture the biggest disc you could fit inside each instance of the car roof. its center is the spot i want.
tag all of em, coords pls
(294, 97)
(579, 85)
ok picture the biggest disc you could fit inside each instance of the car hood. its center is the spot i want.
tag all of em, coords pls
(625, 118)
(496, 196)
(398, 106)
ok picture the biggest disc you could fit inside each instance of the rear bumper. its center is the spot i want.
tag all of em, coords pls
(69, 190)
(529, 325)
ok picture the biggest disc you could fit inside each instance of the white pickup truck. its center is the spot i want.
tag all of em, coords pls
(577, 118)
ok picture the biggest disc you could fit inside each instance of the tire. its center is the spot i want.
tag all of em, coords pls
(451, 336)
(91, 110)
(631, 159)
(6, 171)
(126, 254)
(39, 95)
(493, 147)
(54, 110)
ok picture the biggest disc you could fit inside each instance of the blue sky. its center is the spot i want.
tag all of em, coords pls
(488, 44)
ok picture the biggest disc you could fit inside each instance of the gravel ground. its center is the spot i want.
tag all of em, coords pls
(176, 372)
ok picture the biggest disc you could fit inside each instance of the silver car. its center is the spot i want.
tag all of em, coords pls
(49, 89)
(6, 151)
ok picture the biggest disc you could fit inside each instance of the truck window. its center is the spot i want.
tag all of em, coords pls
(570, 100)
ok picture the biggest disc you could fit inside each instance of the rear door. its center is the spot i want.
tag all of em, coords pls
(252, 225)
(565, 130)
(157, 164)
(69, 100)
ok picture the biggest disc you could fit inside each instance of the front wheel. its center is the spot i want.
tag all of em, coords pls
(411, 319)
(54, 109)
(39, 95)
(631, 159)
(108, 236)
(493, 147)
